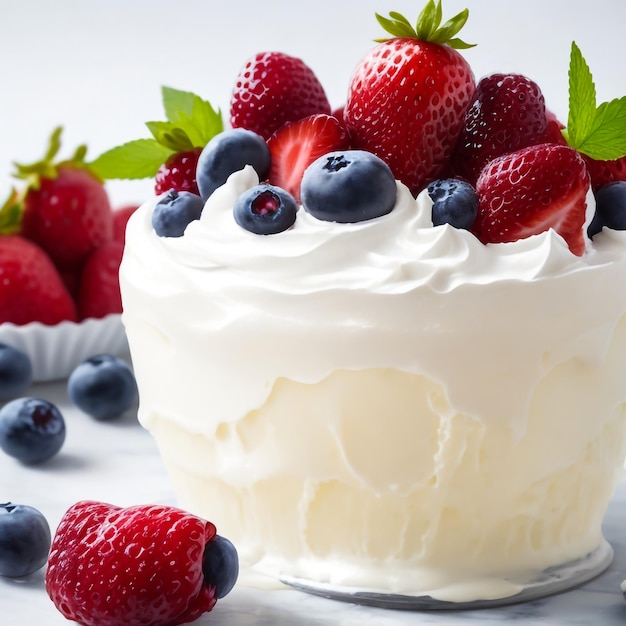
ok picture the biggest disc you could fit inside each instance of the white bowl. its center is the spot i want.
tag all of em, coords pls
(56, 350)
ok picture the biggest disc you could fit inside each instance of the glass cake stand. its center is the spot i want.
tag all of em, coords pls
(553, 580)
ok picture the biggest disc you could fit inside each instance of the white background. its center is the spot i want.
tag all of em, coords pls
(96, 67)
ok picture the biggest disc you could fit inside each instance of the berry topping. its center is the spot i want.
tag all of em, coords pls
(31, 289)
(454, 202)
(507, 113)
(408, 96)
(230, 152)
(349, 186)
(221, 566)
(178, 173)
(530, 191)
(265, 210)
(103, 386)
(294, 146)
(272, 89)
(99, 285)
(16, 371)
(31, 430)
(24, 540)
(174, 212)
(66, 208)
(134, 566)
(610, 208)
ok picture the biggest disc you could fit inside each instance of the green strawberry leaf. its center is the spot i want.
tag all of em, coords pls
(597, 131)
(11, 214)
(140, 158)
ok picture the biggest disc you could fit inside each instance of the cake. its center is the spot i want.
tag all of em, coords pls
(386, 406)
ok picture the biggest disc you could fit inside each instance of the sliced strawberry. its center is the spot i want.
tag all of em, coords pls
(134, 566)
(99, 289)
(527, 192)
(31, 289)
(294, 146)
(272, 89)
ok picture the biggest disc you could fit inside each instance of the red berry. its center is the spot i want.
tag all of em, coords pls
(68, 216)
(272, 89)
(603, 172)
(31, 289)
(99, 289)
(527, 192)
(507, 113)
(134, 566)
(294, 146)
(120, 219)
(178, 173)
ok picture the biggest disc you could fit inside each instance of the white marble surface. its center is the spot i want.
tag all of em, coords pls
(117, 462)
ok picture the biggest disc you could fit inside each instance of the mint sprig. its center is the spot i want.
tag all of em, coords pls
(597, 131)
(191, 122)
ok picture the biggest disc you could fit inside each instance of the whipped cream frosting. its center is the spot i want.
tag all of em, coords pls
(387, 292)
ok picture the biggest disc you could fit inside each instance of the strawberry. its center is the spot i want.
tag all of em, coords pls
(178, 173)
(605, 171)
(31, 289)
(121, 216)
(66, 209)
(507, 113)
(272, 89)
(294, 146)
(529, 191)
(134, 566)
(99, 288)
(408, 96)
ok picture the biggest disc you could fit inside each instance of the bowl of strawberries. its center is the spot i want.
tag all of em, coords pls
(61, 244)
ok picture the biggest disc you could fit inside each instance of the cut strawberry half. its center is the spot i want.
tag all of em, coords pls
(294, 146)
(530, 191)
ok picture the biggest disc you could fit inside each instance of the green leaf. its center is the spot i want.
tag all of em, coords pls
(427, 22)
(176, 101)
(170, 136)
(133, 160)
(397, 28)
(582, 99)
(451, 28)
(606, 139)
(11, 213)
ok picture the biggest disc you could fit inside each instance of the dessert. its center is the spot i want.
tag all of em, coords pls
(371, 403)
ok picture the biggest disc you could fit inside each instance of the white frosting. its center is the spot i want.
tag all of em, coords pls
(384, 405)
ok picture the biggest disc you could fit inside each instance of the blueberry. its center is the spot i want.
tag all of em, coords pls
(265, 210)
(175, 211)
(31, 430)
(454, 202)
(349, 186)
(610, 208)
(24, 540)
(102, 386)
(220, 566)
(16, 371)
(229, 152)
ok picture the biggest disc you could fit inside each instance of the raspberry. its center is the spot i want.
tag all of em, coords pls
(178, 173)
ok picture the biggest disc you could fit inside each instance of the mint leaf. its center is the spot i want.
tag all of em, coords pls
(582, 98)
(176, 101)
(136, 159)
(606, 139)
(597, 131)
(170, 136)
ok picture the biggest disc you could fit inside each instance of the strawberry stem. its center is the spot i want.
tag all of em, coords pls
(428, 26)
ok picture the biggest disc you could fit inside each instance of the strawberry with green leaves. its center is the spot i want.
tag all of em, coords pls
(531, 190)
(409, 94)
(64, 207)
(171, 155)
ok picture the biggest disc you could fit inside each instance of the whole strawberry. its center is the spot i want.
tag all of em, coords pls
(507, 113)
(66, 209)
(135, 566)
(31, 289)
(178, 173)
(529, 191)
(408, 96)
(272, 89)
(99, 286)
